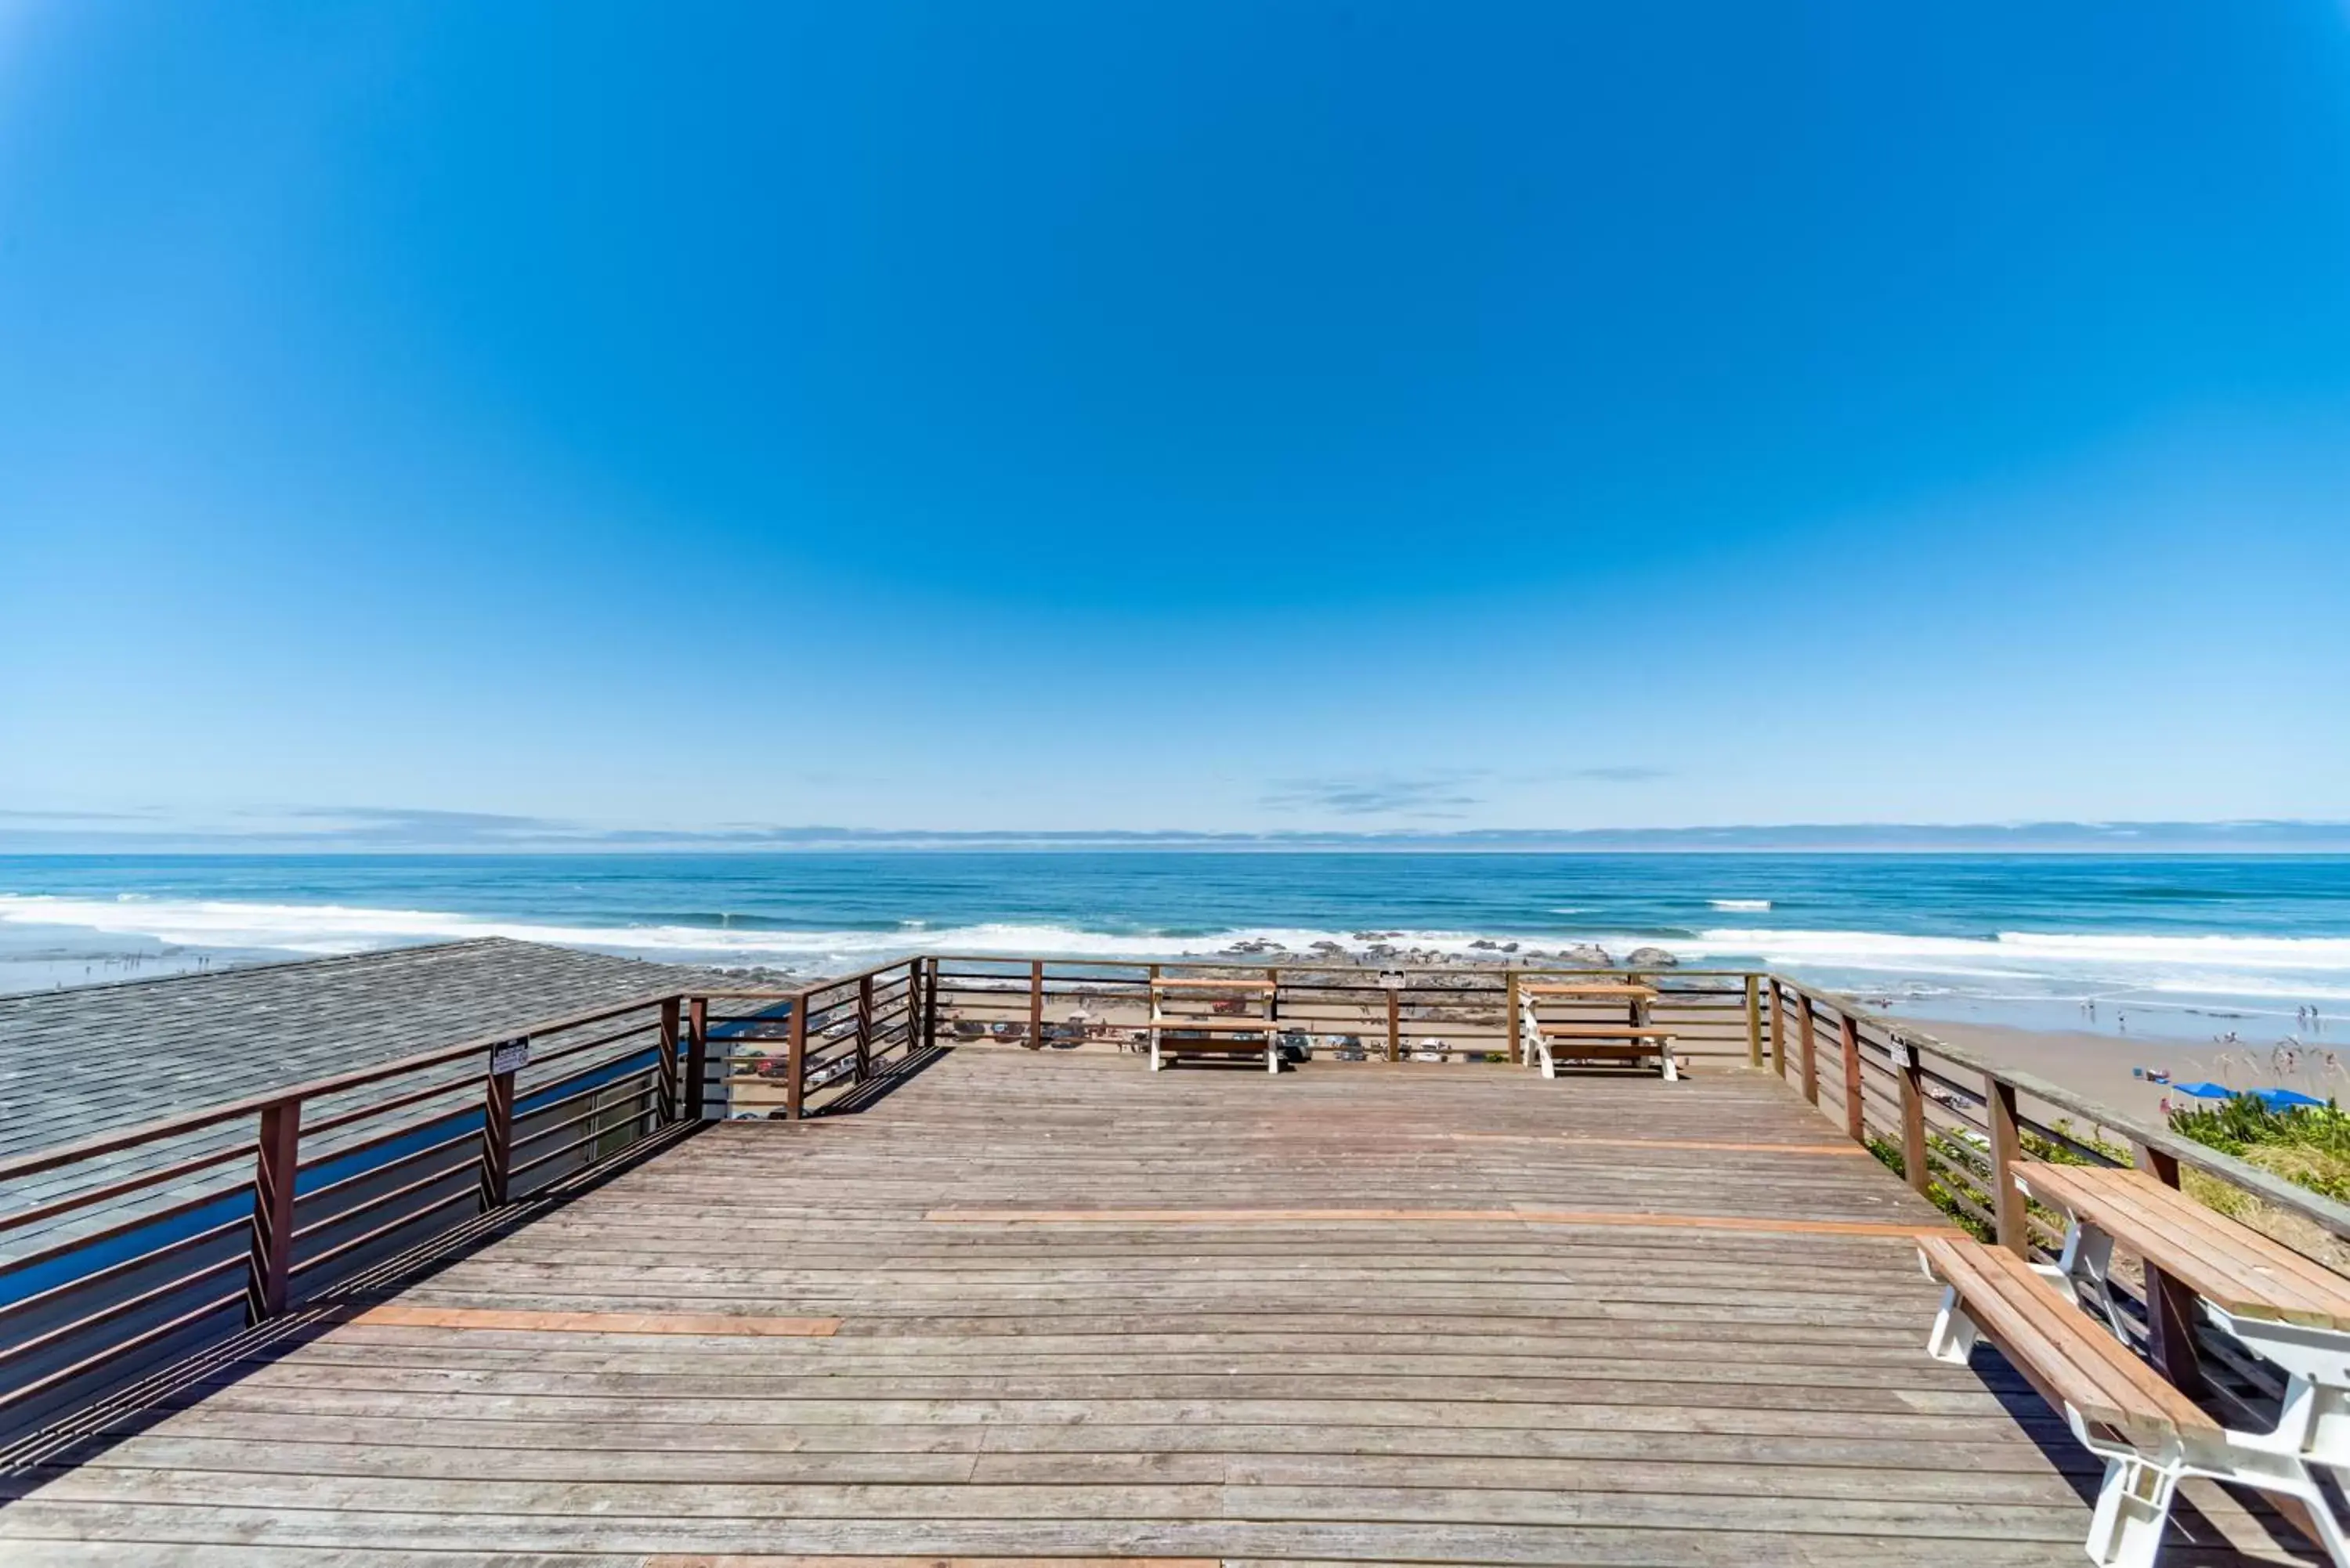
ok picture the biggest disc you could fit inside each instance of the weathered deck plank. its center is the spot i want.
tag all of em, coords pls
(1088, 1313)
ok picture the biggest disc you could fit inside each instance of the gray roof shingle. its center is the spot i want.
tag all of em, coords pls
(85, 1060)
(80, 1062)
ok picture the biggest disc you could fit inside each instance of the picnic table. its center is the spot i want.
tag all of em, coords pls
(2289, 1309)
(2261, 1290)
(1178, 1027)
(1583, 1038)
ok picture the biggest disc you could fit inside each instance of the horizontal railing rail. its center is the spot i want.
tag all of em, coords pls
(135, 1244)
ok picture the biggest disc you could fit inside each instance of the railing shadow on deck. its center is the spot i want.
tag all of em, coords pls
(131, 1406)
(129, 1252)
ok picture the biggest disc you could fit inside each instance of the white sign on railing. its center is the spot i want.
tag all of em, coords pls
(1392, 979)
(509, 1055)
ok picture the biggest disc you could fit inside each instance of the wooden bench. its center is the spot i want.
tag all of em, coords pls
(1178, 1028)
(1634, 1040)
(2149, 1434)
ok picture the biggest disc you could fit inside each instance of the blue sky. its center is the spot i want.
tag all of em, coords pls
(1213, 416)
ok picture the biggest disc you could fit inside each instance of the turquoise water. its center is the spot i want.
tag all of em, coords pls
(2188, 945)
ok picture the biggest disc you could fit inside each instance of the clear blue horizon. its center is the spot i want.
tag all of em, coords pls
(1268, 419)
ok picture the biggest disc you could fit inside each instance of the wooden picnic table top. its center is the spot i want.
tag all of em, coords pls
(1604, 1031)
(1213, 985)
(2231, 1265)
(1569, 988)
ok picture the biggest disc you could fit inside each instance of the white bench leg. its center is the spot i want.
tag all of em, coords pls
(1273, 1053)
(2133, 1505)
(1954, 1334)
(1672, 1068)
(2308, 1430)
(1156, 1062)
(2083, 1264)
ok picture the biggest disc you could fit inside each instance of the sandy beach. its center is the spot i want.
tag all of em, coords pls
(2099, 1065)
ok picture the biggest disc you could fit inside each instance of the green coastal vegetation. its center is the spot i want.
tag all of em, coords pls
(2308, 1146)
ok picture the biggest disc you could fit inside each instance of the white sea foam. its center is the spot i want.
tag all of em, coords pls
(1742, 906)
(330, 929)
(2007, 949)
(2006, 963)
(2301, 967)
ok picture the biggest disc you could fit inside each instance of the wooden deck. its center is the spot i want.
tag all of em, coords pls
(1056, 1307)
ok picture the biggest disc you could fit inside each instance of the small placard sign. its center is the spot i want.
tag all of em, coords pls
(1392, 979)
(1904, 1055)
(510, 1055)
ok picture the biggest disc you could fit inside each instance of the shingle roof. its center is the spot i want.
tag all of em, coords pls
(82, 1061)
(79, 1062)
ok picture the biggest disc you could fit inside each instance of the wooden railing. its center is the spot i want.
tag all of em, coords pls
(1955, 1123)
(135, 1246)
(128, 1247)
(784, 1053)
(1340, 1012)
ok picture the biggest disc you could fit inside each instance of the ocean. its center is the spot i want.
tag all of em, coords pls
(2185, 947)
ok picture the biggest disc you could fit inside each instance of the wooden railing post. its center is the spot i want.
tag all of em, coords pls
(929, 980)
(667, 1099)
(1913, 1117)
(1779, 1028)
(1151, 983)
(2012, 1220)
(498, 1138)
(1753, 1021)
(697, 1055)
(864, 1028)
(795, 1058)
(275, 1160)
(1803, 1043)
(1036, 1003)
(2169, 1305)
(1517, 1045)
(1395, 1024)
(1856, 1122)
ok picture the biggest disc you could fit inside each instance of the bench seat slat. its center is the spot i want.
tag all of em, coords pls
(2070, 1357)
(1605, 1031)
(2040, 1350)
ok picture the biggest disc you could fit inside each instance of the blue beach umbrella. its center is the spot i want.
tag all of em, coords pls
(2206, 1090)
(2277, 1099)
